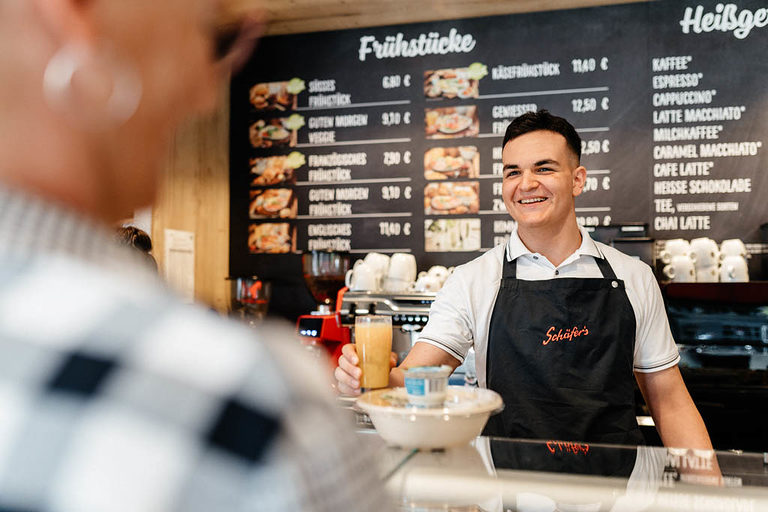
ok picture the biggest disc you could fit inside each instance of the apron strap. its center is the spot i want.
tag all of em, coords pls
(509, 270)
(605, 268)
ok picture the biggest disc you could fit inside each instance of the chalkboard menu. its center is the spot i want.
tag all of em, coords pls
(388, 139)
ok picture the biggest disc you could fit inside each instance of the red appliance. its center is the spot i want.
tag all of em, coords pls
(325, 330)
(324, 273)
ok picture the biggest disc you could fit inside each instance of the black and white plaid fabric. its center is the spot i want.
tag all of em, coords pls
(114, 396)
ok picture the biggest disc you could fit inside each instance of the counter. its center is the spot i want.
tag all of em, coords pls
(496, 475)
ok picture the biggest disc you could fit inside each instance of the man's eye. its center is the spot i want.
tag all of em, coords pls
(510, 174)
(543, 169)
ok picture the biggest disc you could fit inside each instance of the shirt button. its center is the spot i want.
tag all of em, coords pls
(614, 284)
(557, 272)
(535, 257)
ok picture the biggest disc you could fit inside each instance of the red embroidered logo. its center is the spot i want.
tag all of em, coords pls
(567, 335)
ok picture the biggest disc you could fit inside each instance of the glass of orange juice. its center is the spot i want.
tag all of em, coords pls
(373, 342)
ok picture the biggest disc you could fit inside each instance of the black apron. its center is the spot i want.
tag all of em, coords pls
(575, 458)
(560, 353)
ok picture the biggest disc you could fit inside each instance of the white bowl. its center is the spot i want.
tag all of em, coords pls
(461, 419)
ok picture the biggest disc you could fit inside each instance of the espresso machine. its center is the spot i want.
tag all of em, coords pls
(324, 273)
(409, 312)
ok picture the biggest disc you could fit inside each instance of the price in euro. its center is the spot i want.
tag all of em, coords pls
(395, 81)
(582, 105)
(593, 220)
(391, 192)
(588, 65)
(595, 147)
(395, 118)
(593, 183)
(395, 158)
(394, 229)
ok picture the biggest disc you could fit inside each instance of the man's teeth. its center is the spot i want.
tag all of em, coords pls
(534, 200)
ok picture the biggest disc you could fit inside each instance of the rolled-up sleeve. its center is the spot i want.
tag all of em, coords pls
(450, 318)
(655, 348)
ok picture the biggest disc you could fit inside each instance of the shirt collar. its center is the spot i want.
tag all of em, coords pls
(516, 247)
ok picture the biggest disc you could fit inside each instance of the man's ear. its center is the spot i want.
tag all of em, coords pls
(67, 21)
(579, 179)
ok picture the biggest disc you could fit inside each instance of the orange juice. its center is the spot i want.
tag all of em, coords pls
(373, 342)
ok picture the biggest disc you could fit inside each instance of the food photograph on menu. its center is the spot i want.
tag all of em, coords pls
(454, 82)
(451, 122)
(280, 131)
(273, 203)
(451, 235)
(451, 198)
(276, 95)
(457, 162)
(275, 170)
(449, 83)
(271, 238)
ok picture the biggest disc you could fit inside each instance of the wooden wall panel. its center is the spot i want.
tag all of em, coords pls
(295, 16)
(194, 196)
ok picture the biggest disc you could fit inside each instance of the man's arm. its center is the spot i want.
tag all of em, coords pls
(677, 420)
(422, 354)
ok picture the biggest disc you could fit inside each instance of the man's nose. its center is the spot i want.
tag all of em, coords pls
(528, 181)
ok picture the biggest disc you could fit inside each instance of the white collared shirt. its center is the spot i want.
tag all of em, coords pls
(460, 317)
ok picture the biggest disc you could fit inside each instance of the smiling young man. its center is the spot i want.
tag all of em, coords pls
(560, 324)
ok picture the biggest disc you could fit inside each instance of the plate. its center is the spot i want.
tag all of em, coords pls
(453, 123)
(445, 202)
(272, 132)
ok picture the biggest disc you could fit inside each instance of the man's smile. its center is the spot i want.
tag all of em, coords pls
(532, 200)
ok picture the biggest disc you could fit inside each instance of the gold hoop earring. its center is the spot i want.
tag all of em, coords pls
(114, 110)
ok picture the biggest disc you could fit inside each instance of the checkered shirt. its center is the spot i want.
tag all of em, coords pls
(115, 396)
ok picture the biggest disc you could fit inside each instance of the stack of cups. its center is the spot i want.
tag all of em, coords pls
(432, 280)
(706, 257)
(367, 275)
(396, 274)
(733, 261)
(401, 272)
(679, 266)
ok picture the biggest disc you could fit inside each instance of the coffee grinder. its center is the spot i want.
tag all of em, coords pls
(324, 273)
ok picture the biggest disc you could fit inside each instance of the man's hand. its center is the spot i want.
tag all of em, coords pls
(348, 372)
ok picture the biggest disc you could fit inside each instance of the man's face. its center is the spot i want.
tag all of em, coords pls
(541, 179)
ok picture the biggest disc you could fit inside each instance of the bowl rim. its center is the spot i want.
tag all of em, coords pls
(494, 405)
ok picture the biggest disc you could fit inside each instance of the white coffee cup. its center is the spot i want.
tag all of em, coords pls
(402, 267)
(734, 269)
(380, 262)
(733, 247)
(675, 247)
(440, 272)
(709, 274)
(680, 269)
(362, 277)
(392, 285)
(426, 283)
(704, 252)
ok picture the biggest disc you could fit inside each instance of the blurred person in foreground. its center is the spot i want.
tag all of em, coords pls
(113, 394)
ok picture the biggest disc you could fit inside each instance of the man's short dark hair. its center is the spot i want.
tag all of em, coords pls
(543, 120)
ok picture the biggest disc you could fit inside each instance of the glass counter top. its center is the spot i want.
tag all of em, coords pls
(500, 475)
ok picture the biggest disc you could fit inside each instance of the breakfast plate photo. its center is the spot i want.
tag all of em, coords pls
(451, 122)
